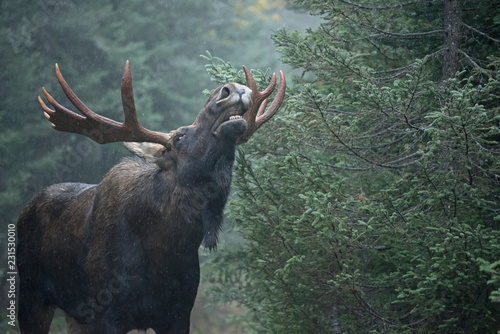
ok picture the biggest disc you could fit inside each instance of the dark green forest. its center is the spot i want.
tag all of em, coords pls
(369, 204)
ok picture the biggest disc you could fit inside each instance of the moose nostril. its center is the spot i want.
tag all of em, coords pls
(224, 93)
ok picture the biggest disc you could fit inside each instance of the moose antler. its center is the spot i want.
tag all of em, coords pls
(257, 114)
(96, 127)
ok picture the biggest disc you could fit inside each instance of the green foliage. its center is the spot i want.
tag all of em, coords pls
(370, 203)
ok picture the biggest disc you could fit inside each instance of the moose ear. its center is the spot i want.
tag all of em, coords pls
(148, 151)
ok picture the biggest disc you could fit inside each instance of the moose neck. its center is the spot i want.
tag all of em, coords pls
(207, 184)
(210, 158)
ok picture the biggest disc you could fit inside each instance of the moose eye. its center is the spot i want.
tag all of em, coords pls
(179, 137)
(224, 93)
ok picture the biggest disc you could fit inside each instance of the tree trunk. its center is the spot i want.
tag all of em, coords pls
(452, 37)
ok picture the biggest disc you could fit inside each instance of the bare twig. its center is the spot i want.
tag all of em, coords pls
(370, 309)
(480, 33)
(400, 5)
(405, 35)
(469, 58)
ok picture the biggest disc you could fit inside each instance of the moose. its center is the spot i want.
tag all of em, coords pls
(122, 255)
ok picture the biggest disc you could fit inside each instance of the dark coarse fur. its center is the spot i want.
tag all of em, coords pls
(123, 254)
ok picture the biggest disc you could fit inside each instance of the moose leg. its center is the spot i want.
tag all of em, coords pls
(186, 295)
(35, 315)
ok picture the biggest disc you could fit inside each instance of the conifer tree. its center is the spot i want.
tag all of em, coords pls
(371, 205)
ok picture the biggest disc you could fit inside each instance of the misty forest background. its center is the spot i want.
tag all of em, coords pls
(369, 204)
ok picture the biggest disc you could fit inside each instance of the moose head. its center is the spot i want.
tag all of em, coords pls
(123, 254)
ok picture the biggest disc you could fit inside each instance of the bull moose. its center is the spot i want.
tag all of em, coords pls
(122, 255)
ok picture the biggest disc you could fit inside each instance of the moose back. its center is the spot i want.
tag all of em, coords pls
(123, 254)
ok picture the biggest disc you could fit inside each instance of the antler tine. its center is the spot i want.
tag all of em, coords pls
(128, 101)
(257, 114)
(99, 128)
(258, 96)
(131, 121)
(74, 99)
(264, 115)
(54, 117)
